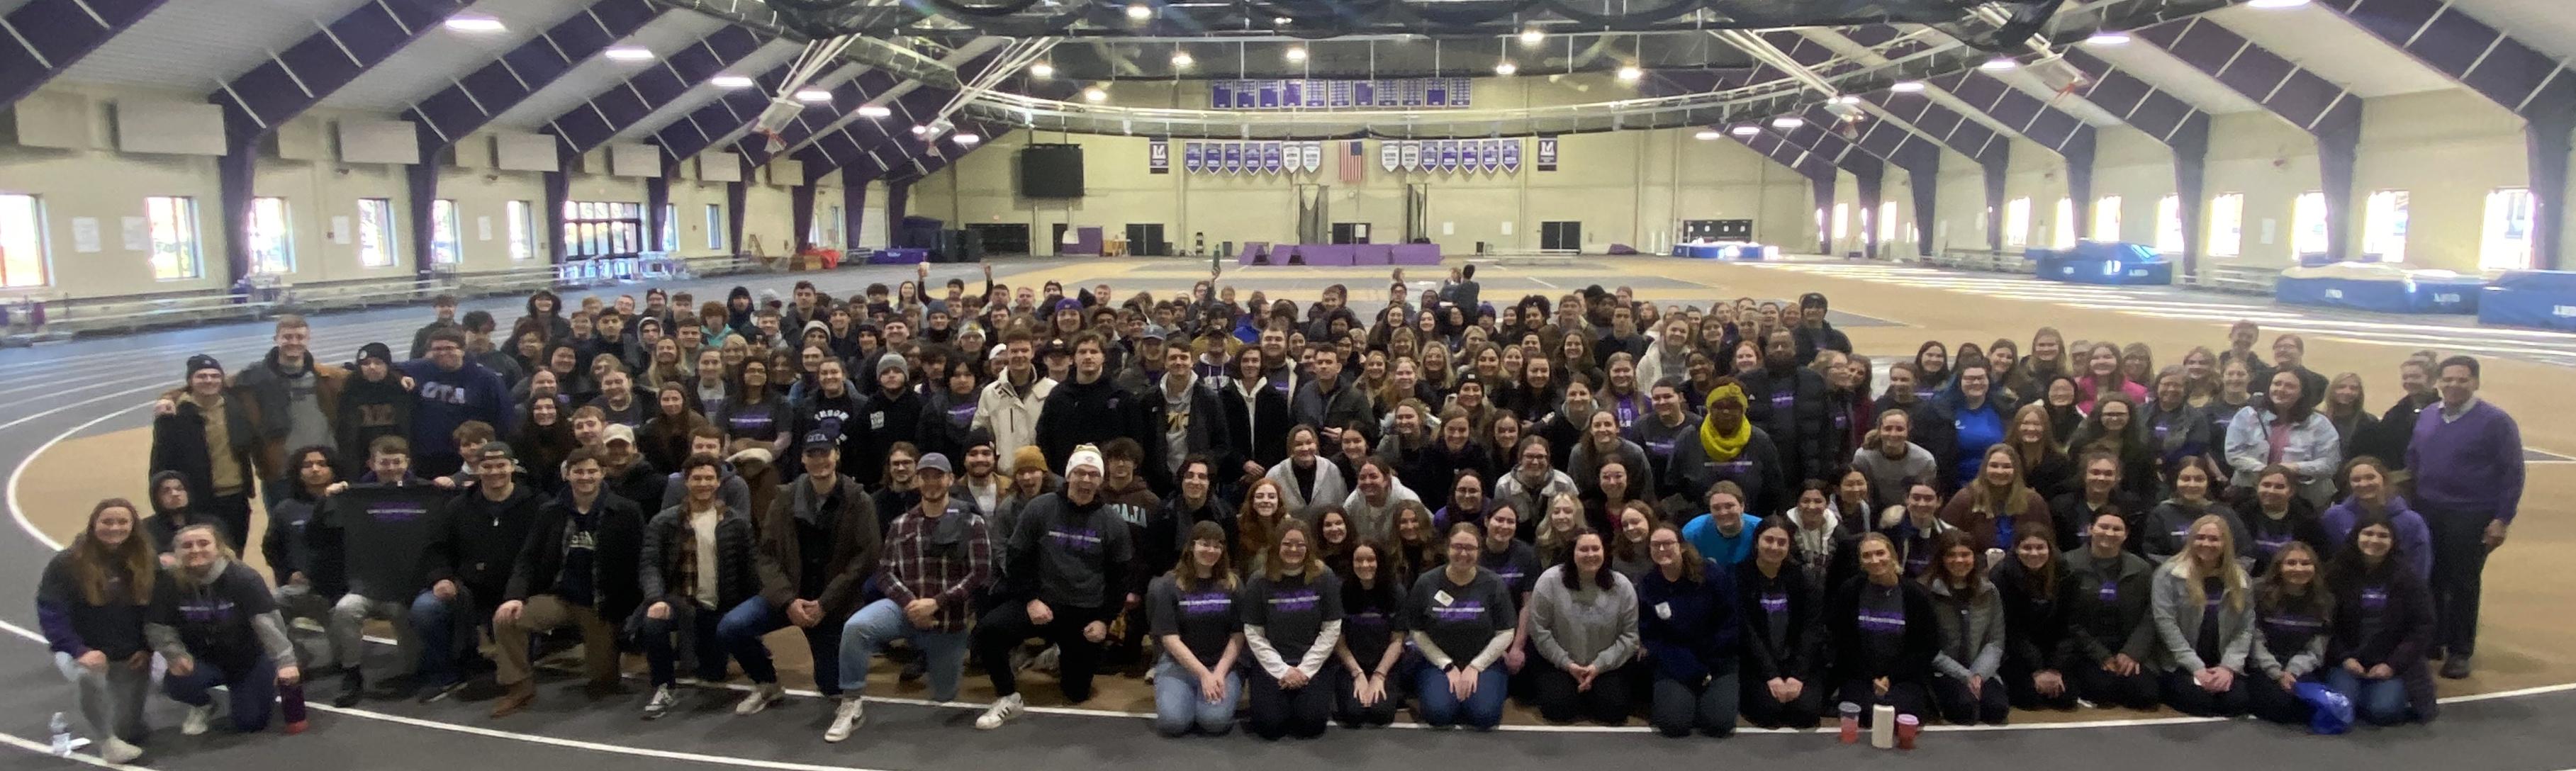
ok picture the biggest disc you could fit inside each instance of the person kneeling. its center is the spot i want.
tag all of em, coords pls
(1292, 619)
(214, 622)
(577, 569)
(936, 556)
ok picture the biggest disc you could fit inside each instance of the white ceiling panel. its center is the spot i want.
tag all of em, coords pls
(2175, 77)
(664, 35)
(10, 5)
(201, 44)
(771, 56)
(2548, 26)
(2325, 43)
(433, 62)
(2025, 81)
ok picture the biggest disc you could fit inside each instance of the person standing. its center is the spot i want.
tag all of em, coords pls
(2466, 459)
(935, 558)
(91, 605)
(208, 439)
(577, 567)
(818, 543)
(1011, 405)
(451, 390)
(291, 397)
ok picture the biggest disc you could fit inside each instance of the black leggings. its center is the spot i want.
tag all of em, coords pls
(1278, 712)
(1608, 702)
(1760, 709)
(2020, 686)
(1007, 625)
(2138, 691)
(1908, 698)
(2266, 698)
(1346, 702)
(2188, 698)
(1708, 707)
(1988, 705)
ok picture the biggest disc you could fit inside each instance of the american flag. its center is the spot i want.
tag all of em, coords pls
(1352, 159)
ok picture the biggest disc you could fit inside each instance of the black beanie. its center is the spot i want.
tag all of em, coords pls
(202, 361)
(375, 351)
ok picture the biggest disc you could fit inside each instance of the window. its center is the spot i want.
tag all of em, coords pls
(2169, 236)
(2383, 225)
(715, 228)
(175, 251)
(272, 241)
(599, 228)
(1887, 221)
(670, 240)
(2227, 225)
(523, 236)
(2507, 243)
(2062, 234)
(1842, 221)
(446, 235)
(2017, 222)
(2308, 224)
(2106, 218)
(22, 242)
(376, 233)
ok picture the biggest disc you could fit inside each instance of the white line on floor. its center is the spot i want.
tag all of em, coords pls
(42, 748)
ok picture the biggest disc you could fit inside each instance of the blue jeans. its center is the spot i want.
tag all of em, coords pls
(1179, 707)
(254, 690)
(664, 658)
(742, 628)
(437, 623)
(2378, 702)
(880, 622)
(1443, 709)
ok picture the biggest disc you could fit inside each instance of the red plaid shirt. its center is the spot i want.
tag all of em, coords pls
(913, 568)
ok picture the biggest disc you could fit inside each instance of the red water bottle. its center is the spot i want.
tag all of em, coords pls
(290, 705)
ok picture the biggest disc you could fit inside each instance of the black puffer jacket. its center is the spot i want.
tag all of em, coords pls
(1790, 405)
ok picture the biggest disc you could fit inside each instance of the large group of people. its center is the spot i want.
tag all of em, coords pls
(1300, 515)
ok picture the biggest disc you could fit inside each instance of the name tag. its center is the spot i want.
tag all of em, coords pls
(876, 420)
(1441, 596)
(1664, 610)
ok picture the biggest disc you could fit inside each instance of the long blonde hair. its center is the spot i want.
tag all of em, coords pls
(2231, 576)
(1982, 495)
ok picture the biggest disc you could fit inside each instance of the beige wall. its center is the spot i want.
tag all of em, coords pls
(109, 185)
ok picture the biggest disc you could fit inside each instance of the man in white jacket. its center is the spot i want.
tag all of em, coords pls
(1010, 405)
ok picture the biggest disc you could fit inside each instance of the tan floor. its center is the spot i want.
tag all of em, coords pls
(2525, 642)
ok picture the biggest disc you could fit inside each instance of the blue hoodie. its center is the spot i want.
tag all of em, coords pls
(448, 399)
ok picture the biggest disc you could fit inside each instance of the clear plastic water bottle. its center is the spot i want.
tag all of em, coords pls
(62, 735)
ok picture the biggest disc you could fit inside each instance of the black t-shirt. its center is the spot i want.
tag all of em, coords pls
(580, 550)
(2212, 592)
(1204, 618)
(1292, 610)
(1517, 566)
(1370, 621)
(1460, 618)
(1882, 621)
(214, 619)
(116, 628)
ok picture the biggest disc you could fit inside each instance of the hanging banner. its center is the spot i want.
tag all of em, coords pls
(1546, 160)
(1448, 155)
(1314, 156)
(1270, 157)
(1233, 158)
(1190, 157)
(1412, 154)
(1511, 155)
(1158, 156)
(1387, 155)
(1493, 155)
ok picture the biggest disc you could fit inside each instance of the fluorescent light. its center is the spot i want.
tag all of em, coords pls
(1744, 131)
(733, 81)
(813, 95)
(1139, 11)
(2107, 38)
(1042, 69)
(920, 130)
(1281, 21)
(1788, 122)
(1707, 134)
(1999, 64)
(1630, 72)
(1907, 87)
(1295, 53)
(1506, 67)
(965, 139)
(628, 54)
(874, 111)
(1532, 36)
(1095, 94)
(1182, 59)
(475, 24)
(2277, 4)
(1846, 99)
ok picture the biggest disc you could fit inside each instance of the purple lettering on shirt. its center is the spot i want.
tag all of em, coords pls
(2109, 593)
(1211, 603)
(396, 511)
(1882, 623)
(2374, 598)
(1462, 610)
(1300, 600)
(1775, 603)
(1079, 539)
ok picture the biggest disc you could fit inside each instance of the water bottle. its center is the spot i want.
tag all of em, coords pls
(62, 735)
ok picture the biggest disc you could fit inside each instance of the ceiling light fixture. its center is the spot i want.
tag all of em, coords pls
(628, 54)
(1506, 68)
(966, 139)
(1999, 64)
(1042, 69)
(813, 95)
(1630, 73)
(2107, 38)
(475, 24)
(1706, 134)
(733, 81)
(1907, 87)
(1139, 11)
(1744, 131)
(874, 111)
(1095, 94)
(2274, 5)
(1846, 99)
(1295, 53)
(920, 130)
(1532, 36)
(1785, 122)
(1182, 60)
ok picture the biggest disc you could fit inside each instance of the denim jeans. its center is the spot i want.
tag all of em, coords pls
(881, 622)
(663, 658)
(253, 690)
(1442, 709)
(743, 627)
(2378, 702)
(439, 623)
(1179, 706)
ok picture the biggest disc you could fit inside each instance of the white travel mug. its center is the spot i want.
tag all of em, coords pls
(1882, 726)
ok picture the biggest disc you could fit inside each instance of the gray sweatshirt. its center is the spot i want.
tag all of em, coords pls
(1590, 625)
(1972, 632)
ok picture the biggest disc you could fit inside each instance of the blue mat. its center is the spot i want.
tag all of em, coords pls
(1720, 251)
(2102, 262)
(2455, 296)
(2530, 298)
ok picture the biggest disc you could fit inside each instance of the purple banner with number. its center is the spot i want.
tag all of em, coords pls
(1190, 157)
(1511, 155)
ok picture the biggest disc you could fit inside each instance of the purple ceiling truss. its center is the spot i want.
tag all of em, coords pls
(820, 116)
(1818, 171)
(1991, 151)
(585, 128)
(2316, 106)
(2505, 71)
(295, 80)
(2181, 127)
(2071, 138)
(1869, 173)
(470, 103)
(724, 117)
(46, 37)
(1919, 157)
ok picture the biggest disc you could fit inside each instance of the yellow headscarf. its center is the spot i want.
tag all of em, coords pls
(1723, 446)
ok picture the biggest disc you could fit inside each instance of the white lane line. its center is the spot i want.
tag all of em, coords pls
(42, 748)
(18, 510)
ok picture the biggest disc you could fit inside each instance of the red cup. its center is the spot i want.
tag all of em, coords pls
(1906, 727)
(1851, 723)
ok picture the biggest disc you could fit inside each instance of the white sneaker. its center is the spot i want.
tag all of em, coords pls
(762, 695)
(197, 721)
(116, 750)
(664, 698)
(1002, 711)
(846, 717)
(1047, 661)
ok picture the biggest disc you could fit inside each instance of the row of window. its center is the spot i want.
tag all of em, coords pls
(2505, 243)
(591, 228)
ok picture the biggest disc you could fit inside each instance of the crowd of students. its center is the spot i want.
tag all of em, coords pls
(1597, 506)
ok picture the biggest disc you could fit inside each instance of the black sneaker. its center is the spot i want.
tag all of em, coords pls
(2456, 667)
(914, 670)
(353, 689)
(441, 692)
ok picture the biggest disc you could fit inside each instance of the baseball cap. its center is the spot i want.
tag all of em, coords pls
(933, 462)
(617, 432)
(1153, 332)
(819, 440)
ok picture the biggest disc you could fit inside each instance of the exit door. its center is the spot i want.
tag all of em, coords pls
(1560, 236)
(1350, 232)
